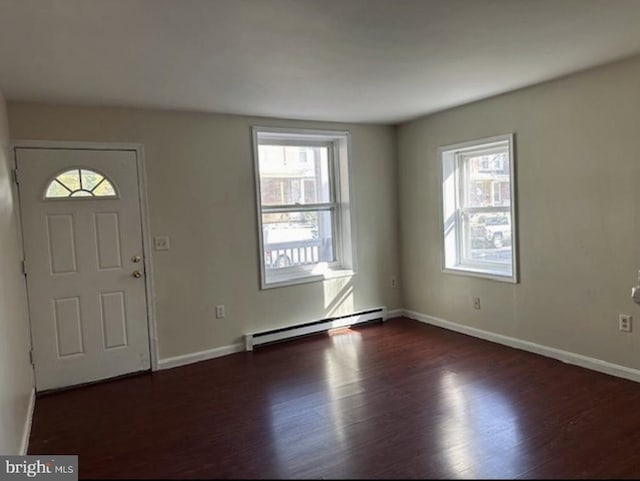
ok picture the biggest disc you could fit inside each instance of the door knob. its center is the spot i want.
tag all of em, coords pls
(135, 259)
(137, 274)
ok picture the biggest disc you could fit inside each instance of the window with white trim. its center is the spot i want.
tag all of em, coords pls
(478, 206)
(302, 183)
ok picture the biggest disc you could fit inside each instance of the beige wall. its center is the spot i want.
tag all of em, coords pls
(579, 216)
(16, 375)
(202, 194)
(578, 183)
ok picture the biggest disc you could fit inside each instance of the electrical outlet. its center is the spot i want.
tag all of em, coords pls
(220, 312)
(476, 303)
(624, 322)
(394, 281)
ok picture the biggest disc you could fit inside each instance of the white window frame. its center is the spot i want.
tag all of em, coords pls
(339, 147)
(452, 210)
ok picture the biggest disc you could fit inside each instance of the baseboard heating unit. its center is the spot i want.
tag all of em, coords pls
(255, 339)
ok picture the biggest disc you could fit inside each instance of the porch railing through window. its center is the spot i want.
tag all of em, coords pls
(296, 253)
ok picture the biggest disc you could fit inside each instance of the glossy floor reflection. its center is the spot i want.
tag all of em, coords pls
(395, 400)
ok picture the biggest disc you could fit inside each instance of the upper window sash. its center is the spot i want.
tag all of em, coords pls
(332, 174)
(462, 173)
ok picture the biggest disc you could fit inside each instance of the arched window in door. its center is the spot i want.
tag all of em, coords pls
(81, 184)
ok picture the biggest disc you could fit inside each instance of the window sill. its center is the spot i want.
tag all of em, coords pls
(493, 274)
(291, 279)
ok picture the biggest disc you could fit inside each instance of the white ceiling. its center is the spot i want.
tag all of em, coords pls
(344, 60)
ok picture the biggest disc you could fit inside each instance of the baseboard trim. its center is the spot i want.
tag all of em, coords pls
(185, 359)
(393, 313)
(26, 433)
(554, 353)
(564, 356)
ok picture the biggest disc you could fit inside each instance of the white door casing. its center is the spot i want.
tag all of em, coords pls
(88, 312)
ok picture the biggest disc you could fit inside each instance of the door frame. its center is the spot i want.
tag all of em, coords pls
(144, 216)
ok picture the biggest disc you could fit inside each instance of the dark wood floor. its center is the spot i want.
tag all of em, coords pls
(399, 400)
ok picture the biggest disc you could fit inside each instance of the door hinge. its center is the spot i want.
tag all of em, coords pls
(31, 357)
(24, 267)
(16, 179)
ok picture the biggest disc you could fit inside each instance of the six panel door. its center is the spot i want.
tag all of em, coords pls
(85, 271)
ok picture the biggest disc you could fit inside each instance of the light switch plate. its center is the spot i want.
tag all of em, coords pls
(161, 243)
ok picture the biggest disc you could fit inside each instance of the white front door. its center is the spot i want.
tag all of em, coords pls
(82, 233)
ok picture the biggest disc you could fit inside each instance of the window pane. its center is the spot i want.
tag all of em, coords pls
(297, 238)
(487, 237)
(486, 180)
(56, 189)
(292, 175)
(71, 179)
(104, 189)
(90, 179)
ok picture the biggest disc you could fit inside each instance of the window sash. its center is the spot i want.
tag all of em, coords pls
(308, 266)
(465, 239)
(463, 232)
(331, 161)
(458, 257)
(331, 207)
(462, 175)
